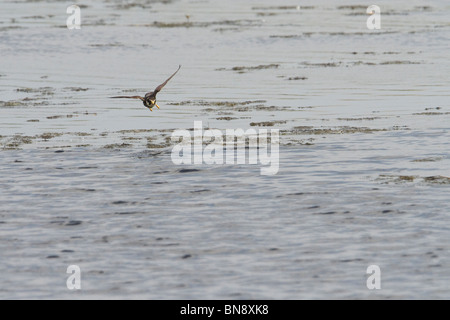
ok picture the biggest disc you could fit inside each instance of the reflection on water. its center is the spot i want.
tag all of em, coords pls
(89, 181)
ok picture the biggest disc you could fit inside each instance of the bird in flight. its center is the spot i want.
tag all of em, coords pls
(149, 100)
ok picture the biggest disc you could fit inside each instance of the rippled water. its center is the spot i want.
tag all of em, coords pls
(364, 157)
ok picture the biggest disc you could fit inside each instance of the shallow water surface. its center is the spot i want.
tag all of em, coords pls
(364, 150)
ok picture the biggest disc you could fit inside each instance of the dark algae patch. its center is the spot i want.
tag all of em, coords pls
(441, 180)
(267, 123)
(352, 7)
(226, 118)
(194, 24)
(297, 78)
(76, 89)
(15, 142)
(431, 113)
(239, 106)
(309, 130)
(219, 103)
(243, 69)
(398, 62)
(437, 179)
(42, 90)
(118, 146)
(49, 135)
(431, 159)
(12, 103)
(188, 170)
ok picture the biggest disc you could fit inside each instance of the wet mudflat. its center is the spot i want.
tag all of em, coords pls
(364, 150)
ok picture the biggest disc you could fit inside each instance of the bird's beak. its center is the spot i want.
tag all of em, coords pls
(157, 106)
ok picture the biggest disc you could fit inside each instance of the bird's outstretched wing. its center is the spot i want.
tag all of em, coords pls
(128, 97)
(158, 88)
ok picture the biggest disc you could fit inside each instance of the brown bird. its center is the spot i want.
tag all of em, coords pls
(149, 100)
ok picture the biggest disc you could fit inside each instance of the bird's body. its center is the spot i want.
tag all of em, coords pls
(149, 100)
